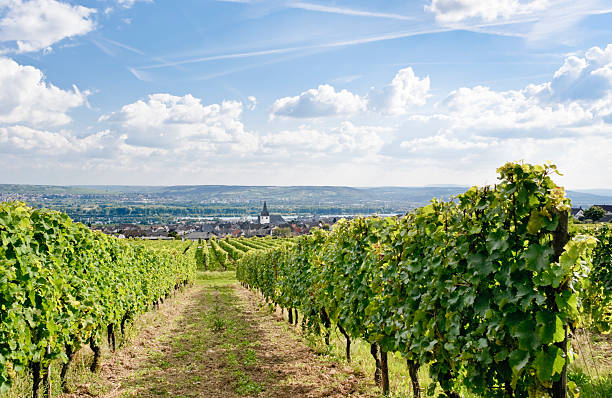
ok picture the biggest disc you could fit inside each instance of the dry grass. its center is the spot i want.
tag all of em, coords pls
(591, 369)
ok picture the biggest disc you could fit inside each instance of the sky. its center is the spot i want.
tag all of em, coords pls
(258, 92)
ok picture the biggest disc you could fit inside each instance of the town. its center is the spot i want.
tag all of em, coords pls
(265, 224)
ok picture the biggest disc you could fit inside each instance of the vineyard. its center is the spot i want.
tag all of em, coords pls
(64, 286)
(485, 292)
(223, 254)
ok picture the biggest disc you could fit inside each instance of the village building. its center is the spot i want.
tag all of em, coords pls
(266, 218)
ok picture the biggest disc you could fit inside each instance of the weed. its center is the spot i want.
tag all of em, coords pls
(249, 358)
(244, 384)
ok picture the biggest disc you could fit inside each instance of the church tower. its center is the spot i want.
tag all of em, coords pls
(264, 217)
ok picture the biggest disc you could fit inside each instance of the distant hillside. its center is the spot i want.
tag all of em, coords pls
(159, 204)
(600, 192)
(296, 195)
(584, 199)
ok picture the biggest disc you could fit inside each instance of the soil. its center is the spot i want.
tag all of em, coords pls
(217, 339)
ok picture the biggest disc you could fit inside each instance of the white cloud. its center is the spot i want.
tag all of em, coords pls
(25, 97)
(584, 79)
(445, 142)
(34, 25)
(398, 98)
(405, 91)
(23, 138)
(346, 139)
(320, 102)
(448, 157)
(578, 99)
(484, 109)
(448, 11)
(182, 123)
(34, 142)
(567, 120)
(252, 104)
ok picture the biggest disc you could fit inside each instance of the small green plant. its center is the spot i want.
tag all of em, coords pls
(249, 358)
(218, 325)
(591, 387)
(244, 384)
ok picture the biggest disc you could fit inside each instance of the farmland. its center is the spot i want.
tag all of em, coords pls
(487, 295)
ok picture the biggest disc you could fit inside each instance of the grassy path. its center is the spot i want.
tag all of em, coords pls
(214, 340)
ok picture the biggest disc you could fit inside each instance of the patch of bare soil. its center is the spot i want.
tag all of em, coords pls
(216, 341)
(301, 371)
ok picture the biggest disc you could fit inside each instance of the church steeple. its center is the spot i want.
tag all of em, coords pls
(264, 217)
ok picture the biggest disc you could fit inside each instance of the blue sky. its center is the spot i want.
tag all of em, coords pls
(360, 93)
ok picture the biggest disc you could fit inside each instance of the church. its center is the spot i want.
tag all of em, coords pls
(265, 217)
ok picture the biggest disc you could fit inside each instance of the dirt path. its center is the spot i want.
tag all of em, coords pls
(216, 340)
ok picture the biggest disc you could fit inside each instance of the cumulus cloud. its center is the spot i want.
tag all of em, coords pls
(398, 98)
(444, 142)
(485, 109)
(578, 99)
(448, 11)
(36, 142)
(404, 93)
(319, 102)
(25, 97)
(567, 120)
(584, 78)
(33, 25)
(173, 122)
(345, 139)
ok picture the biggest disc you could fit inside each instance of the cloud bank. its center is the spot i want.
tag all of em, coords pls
(33, 25)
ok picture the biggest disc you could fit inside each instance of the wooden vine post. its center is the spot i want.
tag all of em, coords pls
(560, 239)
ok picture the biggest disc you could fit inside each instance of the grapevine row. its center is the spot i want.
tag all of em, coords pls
(597, 288)
(218, 256)
(482, 288)
(62, 286)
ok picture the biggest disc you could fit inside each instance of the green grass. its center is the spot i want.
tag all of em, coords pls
(217, 278)
(78, 372)
(212, 341)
